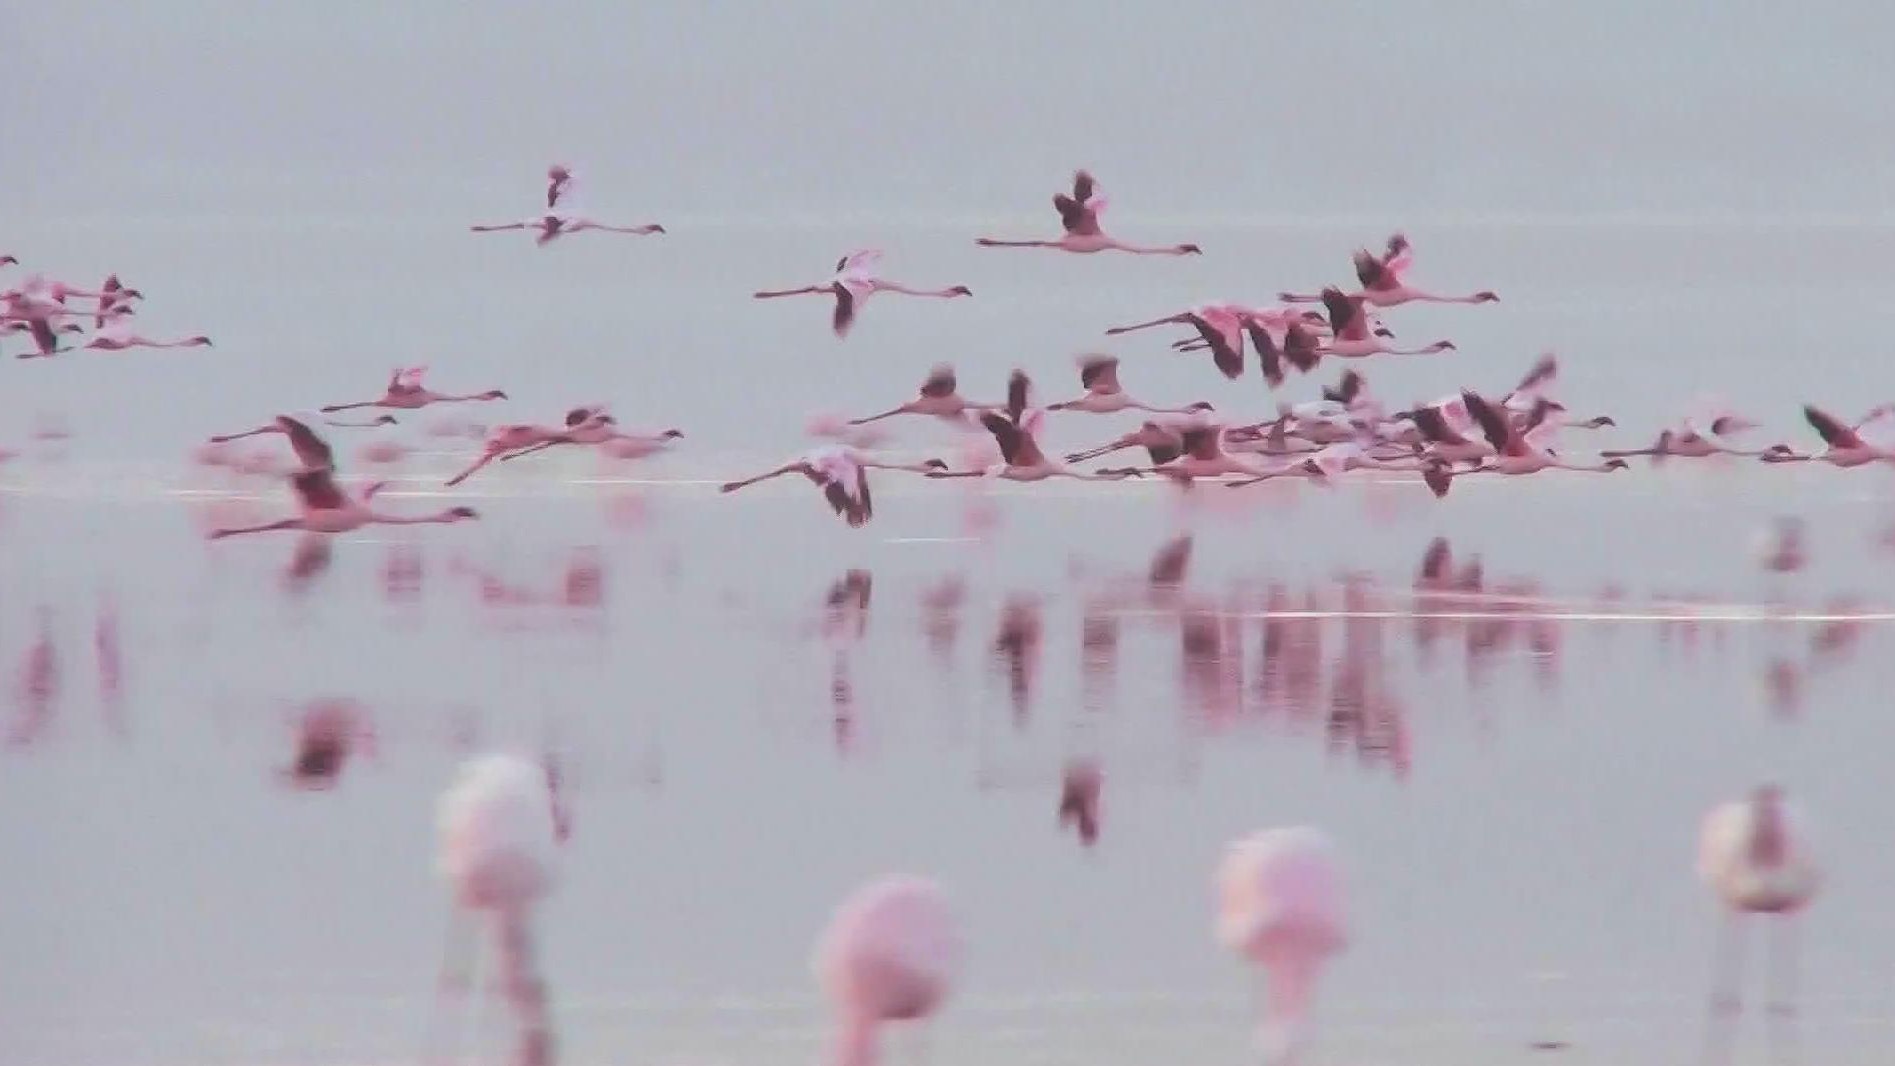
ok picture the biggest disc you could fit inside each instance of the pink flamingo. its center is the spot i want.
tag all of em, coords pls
(1382, 284)
(1351, 336)
(842, 475)
(889, 954)
(1202, 455)
(501, 823)
(1162, 444)
(1221, 326)
(1099, 376)
(602, 429)
(1754, 854)
(311, 450)
(938, 397)
(1079, 216)
(638, 445)
(1846, 446)
(854, 282)
(519, 435)
(1014, 432)
(45, 335)
(117, 336)
(114, 298)
(1516, 451)
(405, 392)
(1280, 906)
(552, 226)
(327, 509)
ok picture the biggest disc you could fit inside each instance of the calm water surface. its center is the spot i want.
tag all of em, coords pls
(1518, 799)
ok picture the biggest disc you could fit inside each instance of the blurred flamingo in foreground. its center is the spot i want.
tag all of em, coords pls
(1753, 853)
(889, 955)
(500, 825)
(1281, 908)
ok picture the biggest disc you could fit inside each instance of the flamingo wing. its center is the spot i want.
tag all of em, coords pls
(1398, 256)
(1435, 561)
(1346, 390)
(1434, 427)
(1538, 377)
(1493, 423)
(310, 448)
(1833, 432)
(1083, 186)
(1099, 373)
(845, 309)
(1370, 271)
(1268, 356)
(1346, 320)
(1006, 434)
(1300, 348)
(1019, 386)
(317, 489)
(1200, 442)
(861, 262)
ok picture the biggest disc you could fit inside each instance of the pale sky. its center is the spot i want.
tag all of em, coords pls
(981, 107)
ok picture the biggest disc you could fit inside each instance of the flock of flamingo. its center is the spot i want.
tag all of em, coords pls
(890, 953)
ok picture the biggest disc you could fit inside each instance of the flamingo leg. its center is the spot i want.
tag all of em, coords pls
(1782, 967)
(542, 446)
(226, 438)
(876, 418)
(486, 458)
(287, 523)
(771, 294)
(1728, 969)
(334, 407)
(1165, 321)
(459, 956)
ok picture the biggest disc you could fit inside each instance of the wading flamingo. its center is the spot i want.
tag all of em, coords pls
(552, 226)
(890, 954)
(327, 509)
(1382, 284)
(843, 476)
(500, 824)
(405, 392)
(1281, 907)
(854, 282)
(1099, 376)
(1079, 215)
(1753, 854)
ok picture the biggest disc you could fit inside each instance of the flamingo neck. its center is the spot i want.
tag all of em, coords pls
(1289, 987)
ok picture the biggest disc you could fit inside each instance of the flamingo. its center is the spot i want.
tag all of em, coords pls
(1689, 441)
(311, 450)
(1754, 855)
(1382, 284)
(517, 436)
(1079, 215)
(1846, 446)
(500, 825)
(553, 225)
(938, 397)
(1351, 337)
(600, 428)
(405, 392)
(327, 509)
(558, 184)
(1099, 376)
(1220, 326)
(638, 445)
(1281, 907)
(854, 282)
(117, 336)
(843, 476)
(889, 954)
(1516, 451)
(1202, 455)
(114, 297)
(1021, 458)
(1333, 460)
(1162, 444)
(45, 335)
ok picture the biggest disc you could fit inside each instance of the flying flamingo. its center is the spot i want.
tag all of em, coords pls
(45, 335)
(405, 392)
(601, 428)
(1333, 460)
(1382, 284)
(1079, 215)
(938, 396)
(1516, 451)
(1351, 335)
(1021, 458)
(1754, 855)
(843, 476)
(517, 436)
(114, 298)
(117, 336)
(889, 954)
(854, 282)
(1847, 447)
(1220, 325)
(638, 445)
(500, 826)
(1099, 376)
(311, 450)
(1202, 456)
(552, 226)
(1690, 441)
(1281, 906)
(1162, 444)
(327, 509)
